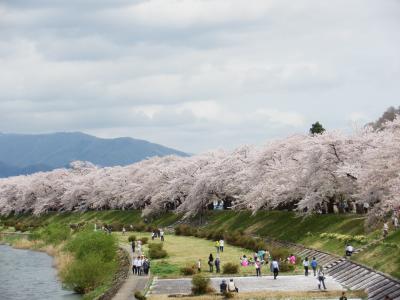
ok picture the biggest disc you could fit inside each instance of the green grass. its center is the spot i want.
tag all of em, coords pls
(186, 251)
(383, 256)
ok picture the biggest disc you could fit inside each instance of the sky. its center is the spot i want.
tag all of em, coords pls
(196, 74)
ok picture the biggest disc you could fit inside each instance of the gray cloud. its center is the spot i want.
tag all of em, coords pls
(196, 74)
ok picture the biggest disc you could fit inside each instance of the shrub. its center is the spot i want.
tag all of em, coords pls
(230, 268)
(140, 296)
(156, 251)
(229, 295)
(132, 238)
(116, 226)
(188, 270)
(87, 242)
(139, 227)
(144, 240)
(53, 234)
(286, 267)
(85, 275)
(279, 253)
(201, 285)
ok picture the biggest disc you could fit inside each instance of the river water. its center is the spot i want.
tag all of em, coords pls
(29, 275)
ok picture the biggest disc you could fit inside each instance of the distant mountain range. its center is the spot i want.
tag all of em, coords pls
(26, 154)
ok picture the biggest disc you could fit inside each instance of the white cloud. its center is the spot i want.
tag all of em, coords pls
(196, 74)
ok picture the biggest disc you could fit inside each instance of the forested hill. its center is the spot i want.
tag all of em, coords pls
(26, 154)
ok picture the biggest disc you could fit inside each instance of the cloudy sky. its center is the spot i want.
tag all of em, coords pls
(196, 74)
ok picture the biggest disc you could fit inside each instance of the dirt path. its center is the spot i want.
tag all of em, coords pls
(132, 283)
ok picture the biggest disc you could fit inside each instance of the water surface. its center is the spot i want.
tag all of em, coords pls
(29, 275)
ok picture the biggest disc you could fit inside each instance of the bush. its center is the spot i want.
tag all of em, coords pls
(144, 240)
(188, 270)
(230, 268)
(87, 242)
(201, 285)
(229, 295)
(156, 251)
(53, 234)
(286, 267)
(140, 296)
(139, 227)
(132, 238)
(116, 226)
(279, 253)
(85, 275)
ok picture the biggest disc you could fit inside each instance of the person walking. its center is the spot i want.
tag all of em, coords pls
(321, 278)
(343, 296)
(314, 265)
(349, 250)
(217, 265)
(275, 267)
(211, 263)
(396, 222)
(139, 266)
(221, 245)
(123, 230)
(385, 229)
(199, 265)
(133, 244)
(134, 266)
(217, 246)
(146, 266)
(162, 235)
(306, 263)
(257, 265)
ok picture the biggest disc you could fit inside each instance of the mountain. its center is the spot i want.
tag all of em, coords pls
(26, 154)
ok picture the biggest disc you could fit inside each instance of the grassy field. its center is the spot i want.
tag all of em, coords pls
(186, 251)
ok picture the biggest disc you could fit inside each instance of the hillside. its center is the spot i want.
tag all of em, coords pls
(26, 154)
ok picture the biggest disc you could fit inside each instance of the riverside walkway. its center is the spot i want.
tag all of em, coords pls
(132, 283)
(247, 284)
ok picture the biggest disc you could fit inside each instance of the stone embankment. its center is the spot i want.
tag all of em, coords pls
(350, 274)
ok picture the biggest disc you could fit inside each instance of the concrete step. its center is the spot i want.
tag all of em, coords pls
(381, 292)
(367, 282)
(387, 291)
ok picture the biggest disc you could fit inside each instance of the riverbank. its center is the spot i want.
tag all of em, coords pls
(88, 263)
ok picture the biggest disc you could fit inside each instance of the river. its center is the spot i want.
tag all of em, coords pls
(29, 275)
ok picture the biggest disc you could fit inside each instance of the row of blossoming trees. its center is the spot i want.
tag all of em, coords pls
(303, 172)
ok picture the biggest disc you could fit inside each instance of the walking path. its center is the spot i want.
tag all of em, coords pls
(350, 274)
(247, 284)
(132, 283)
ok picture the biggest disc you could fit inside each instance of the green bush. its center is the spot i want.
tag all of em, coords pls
(230, 268)
(156, 251)
(201, 285)
(144, 240)
(87, 242)
(116, 226)
(139, 227)
(53, 234)
(87, 274)
(279, 253)
(188, 270)
(132, 238)
(140, 296)
(286, 267)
